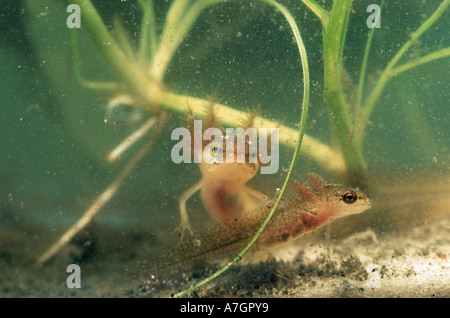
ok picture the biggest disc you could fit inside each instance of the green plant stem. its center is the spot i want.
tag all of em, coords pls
(320, 12)
(334, 96)
(147, 43)
(177, 27)
(362, 74)
(130, 73)
(76, 62)
(168, 41)
(421, 60)
(303, 122)
(388, 71)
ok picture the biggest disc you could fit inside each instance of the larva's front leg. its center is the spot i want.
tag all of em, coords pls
(184, 197)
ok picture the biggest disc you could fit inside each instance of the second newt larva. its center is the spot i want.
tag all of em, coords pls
(308, 209)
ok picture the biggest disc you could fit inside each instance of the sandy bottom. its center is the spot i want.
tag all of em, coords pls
(403, 262)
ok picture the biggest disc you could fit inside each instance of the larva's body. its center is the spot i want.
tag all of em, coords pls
(224, 191)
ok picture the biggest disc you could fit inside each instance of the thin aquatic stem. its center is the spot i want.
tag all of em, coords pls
(123, 41)
(303, 122)
(334, 96)
(387, 73)
(320, 12)
(362, 74)
(420, 61)
(173, 35)
(130, 73)
(148, 39)
(173, 17)
(166, 45)
(76, 62)
(131, 140)
(345, 13)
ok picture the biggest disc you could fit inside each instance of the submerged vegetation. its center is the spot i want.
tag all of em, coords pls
(155, 53)
(138, 67)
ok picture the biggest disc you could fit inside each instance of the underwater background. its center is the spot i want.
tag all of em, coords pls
(56, 134)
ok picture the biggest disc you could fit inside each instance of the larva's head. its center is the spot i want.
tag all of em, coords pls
(345, 200)
(339, 200)
(228, 164)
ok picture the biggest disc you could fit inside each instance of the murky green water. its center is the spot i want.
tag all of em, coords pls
(56, 133)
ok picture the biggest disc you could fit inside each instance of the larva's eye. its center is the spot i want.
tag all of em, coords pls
(349, 197)
(214, 150)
